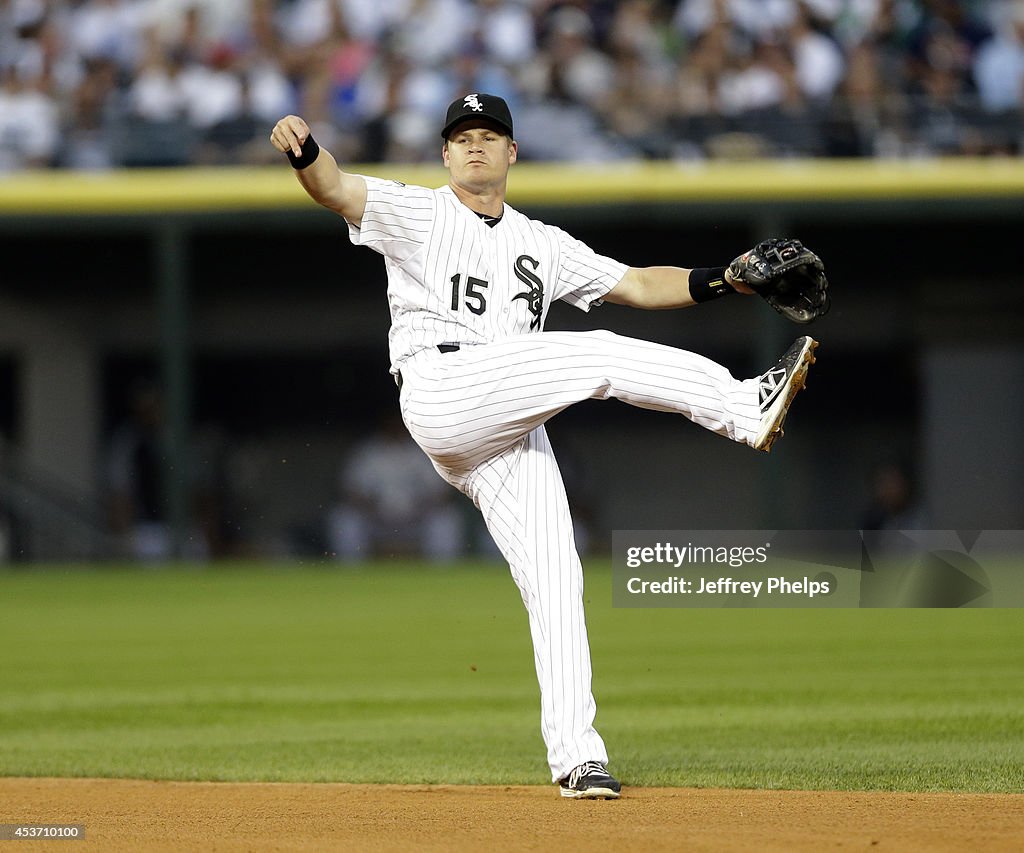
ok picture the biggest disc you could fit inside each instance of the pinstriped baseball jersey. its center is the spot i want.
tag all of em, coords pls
(451, 277)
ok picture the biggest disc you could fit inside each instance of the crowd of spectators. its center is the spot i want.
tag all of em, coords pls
(97, 84)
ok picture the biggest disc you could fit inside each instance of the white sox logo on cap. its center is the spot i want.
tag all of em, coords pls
(478, 106)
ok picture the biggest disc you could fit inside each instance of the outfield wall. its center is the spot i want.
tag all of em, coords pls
(264, 321)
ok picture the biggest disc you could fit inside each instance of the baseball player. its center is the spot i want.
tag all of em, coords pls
(470, 281)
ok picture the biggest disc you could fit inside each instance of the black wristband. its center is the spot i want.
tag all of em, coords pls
(310, 151)
(707, 283)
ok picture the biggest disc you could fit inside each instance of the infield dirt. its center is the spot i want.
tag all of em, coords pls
(128, 815)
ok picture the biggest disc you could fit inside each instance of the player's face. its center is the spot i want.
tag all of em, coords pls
(477, 153)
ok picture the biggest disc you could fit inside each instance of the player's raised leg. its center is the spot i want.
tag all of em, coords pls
(466, 406)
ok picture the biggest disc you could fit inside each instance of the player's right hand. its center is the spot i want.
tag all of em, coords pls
(289, 134)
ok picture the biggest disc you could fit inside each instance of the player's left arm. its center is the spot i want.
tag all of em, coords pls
(660, 288)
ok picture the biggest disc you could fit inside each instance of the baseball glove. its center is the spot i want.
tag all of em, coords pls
(788, 276)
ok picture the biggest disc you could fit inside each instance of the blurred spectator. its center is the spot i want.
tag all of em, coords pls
(701, 69)
(155, 131)
(157, 93)
(851, 125)
(817, 60)
(136, 473)
(107, 29)
(434, 30)
(944, 43)
(473, 70)
(571, 65)
(393, 502)
(135, 477)
(506, 32)
(999, 64)
(894, 504)
(752, 81)
(89, 134)
(29, 123)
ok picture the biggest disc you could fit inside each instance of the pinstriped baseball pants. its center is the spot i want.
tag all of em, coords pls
(479, 413)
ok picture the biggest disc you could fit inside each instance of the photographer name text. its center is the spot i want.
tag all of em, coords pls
(676, 585)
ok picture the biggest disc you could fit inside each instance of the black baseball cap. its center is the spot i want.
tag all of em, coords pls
(478, 105)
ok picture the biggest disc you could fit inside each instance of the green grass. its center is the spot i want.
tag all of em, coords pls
(399, 673)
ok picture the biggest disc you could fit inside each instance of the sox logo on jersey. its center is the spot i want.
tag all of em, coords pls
(534, 296)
